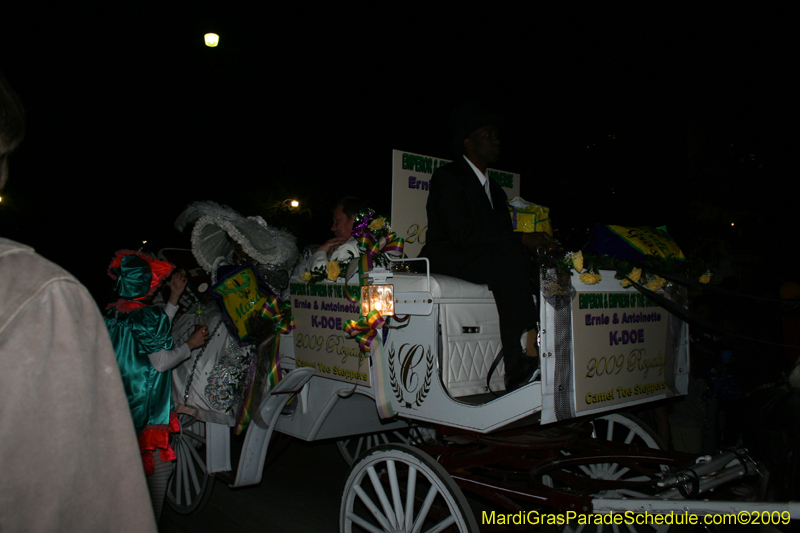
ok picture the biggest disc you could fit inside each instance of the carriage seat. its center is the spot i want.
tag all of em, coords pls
(470, 332)
(443, 286)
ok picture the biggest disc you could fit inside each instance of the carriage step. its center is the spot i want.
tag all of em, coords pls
(226, 477)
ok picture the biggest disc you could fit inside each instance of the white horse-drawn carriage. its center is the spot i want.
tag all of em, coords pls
(437, 445)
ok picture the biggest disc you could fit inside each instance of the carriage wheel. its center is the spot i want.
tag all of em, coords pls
(622, 428)
(398, 488)
(353, 447)
(628, 429)
(190, 486)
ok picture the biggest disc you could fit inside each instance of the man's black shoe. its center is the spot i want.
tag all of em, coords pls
(520, 372)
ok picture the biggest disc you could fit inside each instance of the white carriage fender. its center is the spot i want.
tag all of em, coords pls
(328, 407)
(292, 383)
(256, 442)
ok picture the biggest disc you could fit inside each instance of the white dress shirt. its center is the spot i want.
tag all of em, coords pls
(484, 179)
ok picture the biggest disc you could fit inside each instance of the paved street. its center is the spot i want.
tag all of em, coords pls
(300, 491)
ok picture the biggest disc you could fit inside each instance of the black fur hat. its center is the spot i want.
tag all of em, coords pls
(468, 117)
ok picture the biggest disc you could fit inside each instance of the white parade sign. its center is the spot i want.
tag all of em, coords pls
(411, 178)
(620, 342)
(320, 312)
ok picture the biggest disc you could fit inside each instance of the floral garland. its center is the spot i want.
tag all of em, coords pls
(589, 266)
(366, 221)
(331, 272)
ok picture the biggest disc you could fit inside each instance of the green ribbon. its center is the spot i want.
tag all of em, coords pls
(364, 329)
(279, 313)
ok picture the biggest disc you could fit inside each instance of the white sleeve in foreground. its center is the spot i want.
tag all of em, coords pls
(171, 309)
(165, 359)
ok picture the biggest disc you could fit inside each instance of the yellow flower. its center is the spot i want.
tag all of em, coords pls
(705, 278)
(577, 260)
(333, 270)
(655, 283)
(634, 275)
(377, 223)
(589, 278)
(306, 276)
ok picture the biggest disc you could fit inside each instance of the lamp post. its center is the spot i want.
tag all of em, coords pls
(290, 204)
(211, 39)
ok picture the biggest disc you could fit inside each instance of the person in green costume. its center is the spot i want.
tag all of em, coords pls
(142, 338)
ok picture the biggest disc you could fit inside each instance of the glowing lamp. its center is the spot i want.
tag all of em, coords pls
(377, 297)
(211, 39)
(295, 203)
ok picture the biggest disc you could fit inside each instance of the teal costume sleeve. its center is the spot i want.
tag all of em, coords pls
(152, 330)
(135, 335)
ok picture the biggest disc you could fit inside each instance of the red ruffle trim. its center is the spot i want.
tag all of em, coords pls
(126, 306)
(156, 437)
(160, 269)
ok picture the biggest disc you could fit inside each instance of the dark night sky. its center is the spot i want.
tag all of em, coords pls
(131, 117)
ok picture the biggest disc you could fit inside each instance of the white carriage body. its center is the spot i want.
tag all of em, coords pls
(438, 362)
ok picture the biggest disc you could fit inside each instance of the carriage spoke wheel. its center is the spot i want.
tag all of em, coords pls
(353, 447)
(627, 429)
(190, 486)
(616, 479)
(397, 488)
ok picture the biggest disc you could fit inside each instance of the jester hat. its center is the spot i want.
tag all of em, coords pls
(137, 274)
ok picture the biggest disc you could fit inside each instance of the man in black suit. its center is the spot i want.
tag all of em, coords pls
(470, 235)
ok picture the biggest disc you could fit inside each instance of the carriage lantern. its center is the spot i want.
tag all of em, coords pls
(378, 294)
(377, 297)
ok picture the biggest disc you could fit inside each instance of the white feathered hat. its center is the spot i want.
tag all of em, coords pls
(214, 223)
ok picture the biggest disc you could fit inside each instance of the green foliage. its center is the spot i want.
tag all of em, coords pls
(651, 266)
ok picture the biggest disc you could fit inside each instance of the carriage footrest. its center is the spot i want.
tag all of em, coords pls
(226, 477)
(707, 473)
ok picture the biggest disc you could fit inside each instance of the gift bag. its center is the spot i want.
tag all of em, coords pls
(528, 217)
(239, 293)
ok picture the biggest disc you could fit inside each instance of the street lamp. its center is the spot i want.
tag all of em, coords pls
(211, 39)
(290, 203)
